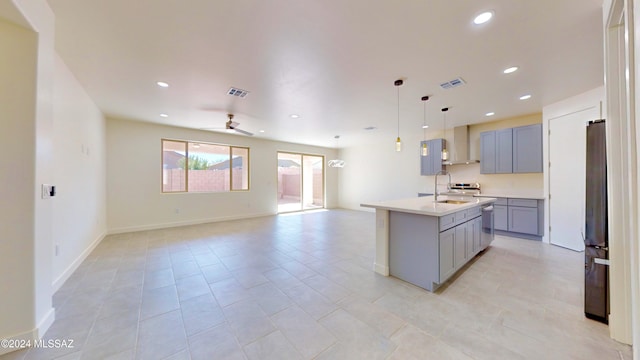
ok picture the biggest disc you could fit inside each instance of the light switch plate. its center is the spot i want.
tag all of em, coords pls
(46, 191)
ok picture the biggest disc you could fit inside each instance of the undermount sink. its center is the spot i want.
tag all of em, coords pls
(452, 202)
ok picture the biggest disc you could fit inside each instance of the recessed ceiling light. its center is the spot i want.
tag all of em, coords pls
(162, 84)
(164, 115)
(425, 126)
(525, 97)
(510, 70)
(294, 116)
(261, 131)
(491, 113)
(483, 18)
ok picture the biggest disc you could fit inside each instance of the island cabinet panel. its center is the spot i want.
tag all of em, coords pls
(447, 262)
(414, 248)
(447, 221)
(460, 246)
(428, 250)
(477, 235)
(474, 229)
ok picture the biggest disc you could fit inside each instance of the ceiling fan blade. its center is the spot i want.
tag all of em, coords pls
(243, 132)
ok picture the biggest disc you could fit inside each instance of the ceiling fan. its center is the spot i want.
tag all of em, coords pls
(231, 127)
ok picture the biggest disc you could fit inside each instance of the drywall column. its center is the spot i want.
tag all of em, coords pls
(26, 73)
(620, 165)
(17, 176)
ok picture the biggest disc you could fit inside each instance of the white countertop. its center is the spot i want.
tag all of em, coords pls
(512, 195)
(426, 205)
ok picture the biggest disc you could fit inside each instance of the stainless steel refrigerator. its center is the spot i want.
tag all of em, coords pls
(596, 277)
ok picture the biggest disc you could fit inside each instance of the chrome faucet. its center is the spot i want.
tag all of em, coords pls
(435, 187)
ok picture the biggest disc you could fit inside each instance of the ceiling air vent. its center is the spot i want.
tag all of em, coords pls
(453, 83)
(237, 92)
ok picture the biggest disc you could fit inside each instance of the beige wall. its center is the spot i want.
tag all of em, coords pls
(375, 172)
(509, 184)
(135, 200)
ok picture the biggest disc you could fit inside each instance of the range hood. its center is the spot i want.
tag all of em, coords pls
(459, 150)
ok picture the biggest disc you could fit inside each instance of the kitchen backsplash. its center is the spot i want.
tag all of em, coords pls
(511, 184)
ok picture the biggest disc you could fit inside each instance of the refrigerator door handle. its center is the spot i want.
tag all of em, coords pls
(601, 261)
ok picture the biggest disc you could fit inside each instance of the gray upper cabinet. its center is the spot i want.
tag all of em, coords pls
(488, 152)
(527, 149)
(513, 150)
(432, 163)
(496, 154)
(504, 152)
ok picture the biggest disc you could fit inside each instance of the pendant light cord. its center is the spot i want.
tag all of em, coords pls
(398, 111)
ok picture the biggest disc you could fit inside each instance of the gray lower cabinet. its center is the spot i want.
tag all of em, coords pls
(460, 246)
(432, 163)
(428, 250)
(500, 217)
(523, 220)
(521, 216)
(447, 265)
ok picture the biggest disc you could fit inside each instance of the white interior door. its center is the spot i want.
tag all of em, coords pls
(567, 156)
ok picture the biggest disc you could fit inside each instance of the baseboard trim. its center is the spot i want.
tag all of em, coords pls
(380, 269)
(129, 229)
(57, 283)
(28, 336)
(45, 323)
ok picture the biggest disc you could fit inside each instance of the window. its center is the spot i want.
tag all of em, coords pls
(203, 167)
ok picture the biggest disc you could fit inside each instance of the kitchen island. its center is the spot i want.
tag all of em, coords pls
(424, 241)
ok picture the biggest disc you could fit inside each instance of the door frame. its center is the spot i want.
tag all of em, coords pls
(323, 176)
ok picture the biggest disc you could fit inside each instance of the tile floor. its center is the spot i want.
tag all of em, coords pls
(301, 286)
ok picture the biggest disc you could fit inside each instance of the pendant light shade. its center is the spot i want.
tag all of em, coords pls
(336, 163)
(424, 151)
(397, 84)
(445, 152)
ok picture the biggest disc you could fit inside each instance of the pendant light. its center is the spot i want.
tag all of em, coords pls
(425, 149)
(398, 83)
(445, 152)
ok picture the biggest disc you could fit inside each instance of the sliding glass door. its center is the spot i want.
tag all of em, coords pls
(300, 182)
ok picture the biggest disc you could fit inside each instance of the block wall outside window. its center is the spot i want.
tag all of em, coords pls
(203, 167)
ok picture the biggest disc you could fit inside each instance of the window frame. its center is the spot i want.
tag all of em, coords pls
(187, 143)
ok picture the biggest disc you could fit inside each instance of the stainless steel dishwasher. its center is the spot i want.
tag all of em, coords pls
(487, 226)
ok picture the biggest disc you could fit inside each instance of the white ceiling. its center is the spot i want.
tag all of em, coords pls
(333, 62)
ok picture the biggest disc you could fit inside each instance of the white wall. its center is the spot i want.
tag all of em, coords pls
(79, 155)
(18, 51)
(26, 75)
(376, 172)
(135, 200)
